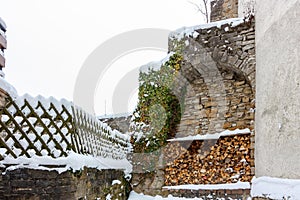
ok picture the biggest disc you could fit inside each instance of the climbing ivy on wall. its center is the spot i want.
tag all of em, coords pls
(158, 107)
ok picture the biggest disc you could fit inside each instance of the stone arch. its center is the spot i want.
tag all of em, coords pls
(219, 65)
(232, 48)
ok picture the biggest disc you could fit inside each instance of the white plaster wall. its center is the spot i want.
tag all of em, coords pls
(278, 88)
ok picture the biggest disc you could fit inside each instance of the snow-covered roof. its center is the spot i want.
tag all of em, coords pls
(4, 85)
(190, 31)
(2, 25)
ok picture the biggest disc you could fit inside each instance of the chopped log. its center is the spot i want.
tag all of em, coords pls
(226, 160)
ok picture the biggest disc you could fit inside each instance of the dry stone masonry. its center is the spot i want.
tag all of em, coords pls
(217, 72)
(240, 194)
(3, 45)
(118, 122)
(88, 183)
(223, 9)
(219, 66)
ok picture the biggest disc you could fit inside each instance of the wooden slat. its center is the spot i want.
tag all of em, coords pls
(85, 135)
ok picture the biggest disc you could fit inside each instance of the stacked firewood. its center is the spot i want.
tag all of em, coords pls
(226, 160)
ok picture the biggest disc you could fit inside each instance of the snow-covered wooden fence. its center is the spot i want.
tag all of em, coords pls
(48, 127)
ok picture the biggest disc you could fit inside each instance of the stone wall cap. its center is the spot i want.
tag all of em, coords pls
(189, 31)
(113, 116)
(228, 186)
(214, 136)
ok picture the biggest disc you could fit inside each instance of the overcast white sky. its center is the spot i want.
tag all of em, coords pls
(48, 41)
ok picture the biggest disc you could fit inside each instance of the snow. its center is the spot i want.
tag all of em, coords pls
(215, 136)
(2, 75)
(2, 33)
(70, 162)
(195, 35)
(46, 103)
(139, 130)
(135, 196)
(275, 188)
(187, 43)
(97, 137)
(155, 65)
(190, 31)
(114, 182)
(106, 141)
(118, 115)
(231, 186)
(108, 197)
(94, 120)
(2, 23)
(4, 85)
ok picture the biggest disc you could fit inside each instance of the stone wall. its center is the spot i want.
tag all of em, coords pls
(223, 9)
(152, 183)
(119, 123)
(240, 194)
(206, 111)
(219, 73)
(149, 183)
(3, 44)
(29, 184)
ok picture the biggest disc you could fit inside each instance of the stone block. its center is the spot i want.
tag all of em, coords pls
(245, 99)
(210, 104)
(250, 46)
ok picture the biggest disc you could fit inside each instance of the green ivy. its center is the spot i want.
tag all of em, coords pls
(158, 106)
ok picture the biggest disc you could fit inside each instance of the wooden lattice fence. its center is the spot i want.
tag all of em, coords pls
(97, 138)
(47, 127)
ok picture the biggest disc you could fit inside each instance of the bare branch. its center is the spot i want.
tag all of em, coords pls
(199, 9)
(206, 10)
(203, 11)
